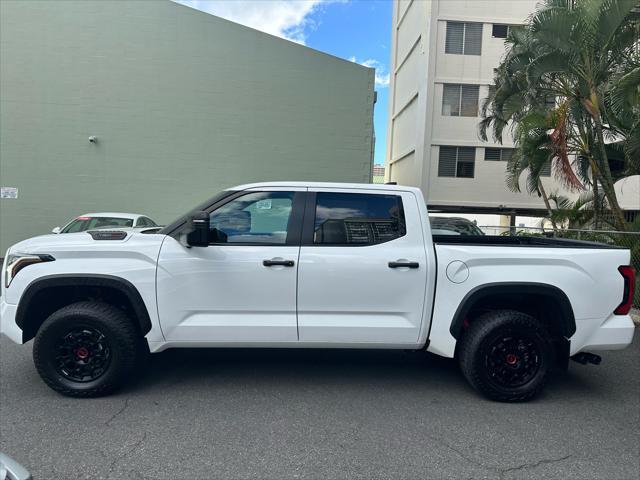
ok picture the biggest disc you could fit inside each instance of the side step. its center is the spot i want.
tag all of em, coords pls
(586, 357)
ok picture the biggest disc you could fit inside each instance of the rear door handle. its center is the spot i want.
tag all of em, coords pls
(404, 265)
(281, 263)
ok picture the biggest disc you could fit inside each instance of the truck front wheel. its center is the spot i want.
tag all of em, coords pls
(506, 355)
(86, 349)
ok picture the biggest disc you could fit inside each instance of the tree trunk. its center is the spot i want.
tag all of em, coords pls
(596, 203)
(597, 206)
(586, 133)
(545, 198)
(592, 106)
(607, 183)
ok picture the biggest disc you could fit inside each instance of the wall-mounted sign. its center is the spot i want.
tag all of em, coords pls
(8, 192)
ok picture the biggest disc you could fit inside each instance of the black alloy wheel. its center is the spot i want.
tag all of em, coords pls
(83, 354)
(512, 361)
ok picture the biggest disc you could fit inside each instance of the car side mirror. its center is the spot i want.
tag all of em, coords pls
(198, 229)
(56, 230)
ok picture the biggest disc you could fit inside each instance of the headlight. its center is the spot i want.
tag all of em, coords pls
(17, 261)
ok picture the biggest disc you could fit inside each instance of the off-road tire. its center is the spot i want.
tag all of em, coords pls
(124, 342)
(477, 354)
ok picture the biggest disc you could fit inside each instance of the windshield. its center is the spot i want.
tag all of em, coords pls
(454, 226)
(82, 224)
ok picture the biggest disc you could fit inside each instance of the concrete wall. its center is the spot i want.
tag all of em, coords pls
(183, 104)
(417, 127)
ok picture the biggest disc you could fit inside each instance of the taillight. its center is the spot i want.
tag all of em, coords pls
(629, 275)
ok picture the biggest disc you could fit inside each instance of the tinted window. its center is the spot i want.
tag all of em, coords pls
(82, 224)
(260, 217)
(500, 31)
(357, 219)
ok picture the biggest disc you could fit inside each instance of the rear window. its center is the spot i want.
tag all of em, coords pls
(357, 219)
(82, 224)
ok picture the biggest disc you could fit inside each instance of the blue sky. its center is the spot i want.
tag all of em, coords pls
(356, 30)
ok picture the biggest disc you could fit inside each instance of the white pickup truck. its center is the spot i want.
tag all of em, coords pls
(306, 265)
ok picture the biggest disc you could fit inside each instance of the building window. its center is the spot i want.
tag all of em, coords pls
(460, 100)
(550, 101)
(630, 216)
(357, 219)
(498, 154)
(500, 30)
(545, 171)
(456, 162)
(463, 38)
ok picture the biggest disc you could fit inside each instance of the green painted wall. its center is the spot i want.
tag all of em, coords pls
(183, 104)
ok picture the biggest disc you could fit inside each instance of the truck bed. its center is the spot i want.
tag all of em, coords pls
(517, 241)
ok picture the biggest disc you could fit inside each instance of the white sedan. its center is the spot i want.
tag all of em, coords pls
(92, 221)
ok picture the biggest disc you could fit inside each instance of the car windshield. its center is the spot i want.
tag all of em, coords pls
(454, 226)
(82, 224)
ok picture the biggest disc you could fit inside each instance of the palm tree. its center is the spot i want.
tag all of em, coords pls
(574, 214)
(535, 152)
(623, 96)
(573, 52)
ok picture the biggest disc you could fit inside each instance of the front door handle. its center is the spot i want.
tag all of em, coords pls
(404, 265)
(274, 263)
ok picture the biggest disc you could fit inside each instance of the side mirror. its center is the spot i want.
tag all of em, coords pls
(56, 230)
(198, 229)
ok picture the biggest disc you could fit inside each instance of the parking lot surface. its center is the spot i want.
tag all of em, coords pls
(203, 414)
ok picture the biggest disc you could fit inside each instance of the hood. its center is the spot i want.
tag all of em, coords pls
(80, 241)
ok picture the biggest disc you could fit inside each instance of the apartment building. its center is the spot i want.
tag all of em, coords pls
(443, 56)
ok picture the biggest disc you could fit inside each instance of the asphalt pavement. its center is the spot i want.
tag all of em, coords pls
(203, 414)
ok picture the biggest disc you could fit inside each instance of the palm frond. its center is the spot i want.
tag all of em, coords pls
(548, 62)
(611, 16)
(556, 26)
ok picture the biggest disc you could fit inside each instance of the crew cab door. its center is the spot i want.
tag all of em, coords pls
(242, 287)
(363, 269)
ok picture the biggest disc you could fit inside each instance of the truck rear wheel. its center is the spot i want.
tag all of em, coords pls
(86, 349)
(506, 355)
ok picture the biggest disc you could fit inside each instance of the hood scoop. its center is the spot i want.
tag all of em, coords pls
(107, 234)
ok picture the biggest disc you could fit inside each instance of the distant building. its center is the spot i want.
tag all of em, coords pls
(628, 193)
(152, 107)
(444, 53)
(378, 173)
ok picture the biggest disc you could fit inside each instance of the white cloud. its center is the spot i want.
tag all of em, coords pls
(282, 18)
(382, 76)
